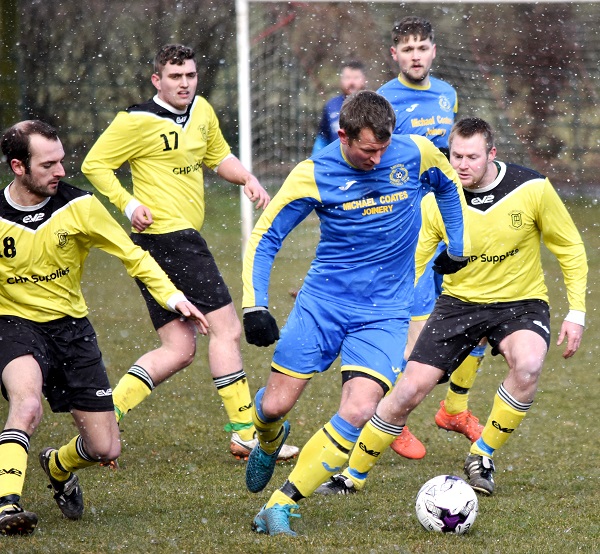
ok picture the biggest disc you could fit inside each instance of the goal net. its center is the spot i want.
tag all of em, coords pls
(526, 68)
(529, 69)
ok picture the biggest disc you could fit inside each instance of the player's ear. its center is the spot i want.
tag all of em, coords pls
(343, 136)
(18, 167)
(156, 81)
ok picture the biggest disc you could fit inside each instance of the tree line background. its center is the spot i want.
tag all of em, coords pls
(76, 64)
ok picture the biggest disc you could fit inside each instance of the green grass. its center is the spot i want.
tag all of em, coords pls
(179, 490)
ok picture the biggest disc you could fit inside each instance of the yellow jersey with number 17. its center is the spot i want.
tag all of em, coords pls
(166, 152)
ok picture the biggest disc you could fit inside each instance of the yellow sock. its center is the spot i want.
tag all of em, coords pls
(14, 445)
(235, 394)
(371, 444)
(324, 454)
(69, 458)
(280, 498)
(130, 391)
(461, 381)
(268, 432)
(503, 420)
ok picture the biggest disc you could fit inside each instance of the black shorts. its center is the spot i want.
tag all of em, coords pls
(186, 259)
(454, 328)
(71, 362)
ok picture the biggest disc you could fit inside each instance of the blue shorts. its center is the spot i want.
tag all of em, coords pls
(427, 289)
(368, 340)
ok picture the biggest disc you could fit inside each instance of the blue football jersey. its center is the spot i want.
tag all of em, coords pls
(427, 111)
(369, 223)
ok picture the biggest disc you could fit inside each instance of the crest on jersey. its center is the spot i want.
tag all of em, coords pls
(398, 174)
(445, 104)
(516, 220)
(63, 238)
(203, 132)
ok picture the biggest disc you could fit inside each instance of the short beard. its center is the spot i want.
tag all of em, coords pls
(36, 189)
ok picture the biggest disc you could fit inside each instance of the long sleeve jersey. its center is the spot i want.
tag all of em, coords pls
(507, 222)
(166, 152)
(44, 247)
(369, 223)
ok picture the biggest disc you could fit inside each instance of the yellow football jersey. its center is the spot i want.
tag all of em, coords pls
(166, 153)
(507, 222)
(43, 249)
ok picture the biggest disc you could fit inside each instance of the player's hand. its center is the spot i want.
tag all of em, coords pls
(445, 264)
(256, 193)
(573, 332)
(260, 326)
(141, 218)
(187, 309)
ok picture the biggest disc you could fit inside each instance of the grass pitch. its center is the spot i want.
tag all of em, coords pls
(179, 489)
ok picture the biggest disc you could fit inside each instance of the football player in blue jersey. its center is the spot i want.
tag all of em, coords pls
(352, 79)
(426, 106)
(366, 188)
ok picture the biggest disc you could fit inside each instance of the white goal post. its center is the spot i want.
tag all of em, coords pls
(465, 73)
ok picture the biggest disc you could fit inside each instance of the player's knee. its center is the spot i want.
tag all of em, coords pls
(28, 411)
(274, 408)
(225, 325)
(105, 449)
(230, 334)
(235, 330)
(406, 396)
(527, 366)
(186, 358)
(114, 452)
(357, 409)
(358, 415)
(527, 375)
(180, 355)
(405, 387)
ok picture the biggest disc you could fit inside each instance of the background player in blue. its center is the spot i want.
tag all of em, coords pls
(427, 106)
(424, 105)
(47, 228)
(366, 189)
(352, 79)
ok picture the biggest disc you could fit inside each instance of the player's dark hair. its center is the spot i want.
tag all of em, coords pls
(172, 53)
(367, 110)
(354, 64)
(412, 26)
(471, 126)
(15, 140)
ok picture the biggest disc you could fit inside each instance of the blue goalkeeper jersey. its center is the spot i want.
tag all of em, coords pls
(427, 111)
(369, 224)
